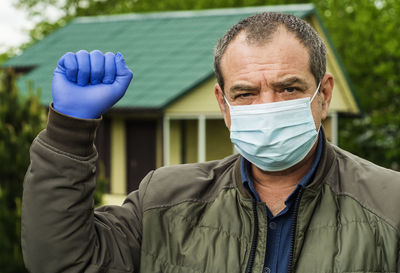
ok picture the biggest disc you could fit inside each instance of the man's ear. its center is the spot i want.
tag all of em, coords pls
(219, 94)
(326, 90)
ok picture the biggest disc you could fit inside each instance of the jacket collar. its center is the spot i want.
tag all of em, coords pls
(325, 167)
(327, 161)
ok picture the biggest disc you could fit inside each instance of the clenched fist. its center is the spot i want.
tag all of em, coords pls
(85, 85)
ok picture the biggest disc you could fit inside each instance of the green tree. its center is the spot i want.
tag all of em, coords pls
(7, 54)
(366, 36)
(21, 119)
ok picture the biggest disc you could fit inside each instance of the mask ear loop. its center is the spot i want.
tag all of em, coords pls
(315, 93)
(227, 102)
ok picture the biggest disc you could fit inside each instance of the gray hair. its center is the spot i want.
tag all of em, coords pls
(259, 29)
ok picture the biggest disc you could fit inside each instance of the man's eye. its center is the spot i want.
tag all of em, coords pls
(290, 89)
(243, 95)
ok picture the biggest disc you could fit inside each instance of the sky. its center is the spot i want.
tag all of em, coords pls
(15, 25)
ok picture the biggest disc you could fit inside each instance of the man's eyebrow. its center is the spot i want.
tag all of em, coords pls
(288, 82)
(242, 87)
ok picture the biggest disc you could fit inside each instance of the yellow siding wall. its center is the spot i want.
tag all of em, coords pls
(191, 141)
(218, 143)
(118, 157)
(175, 142)
(197, 102)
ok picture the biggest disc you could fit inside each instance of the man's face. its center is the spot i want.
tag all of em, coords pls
(276, 71)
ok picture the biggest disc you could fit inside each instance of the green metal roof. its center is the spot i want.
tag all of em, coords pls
(168, 52)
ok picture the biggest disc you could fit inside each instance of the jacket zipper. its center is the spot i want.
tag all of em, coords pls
(293, 236)
(249, 267)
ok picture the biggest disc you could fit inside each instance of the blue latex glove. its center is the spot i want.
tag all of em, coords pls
(85, 85)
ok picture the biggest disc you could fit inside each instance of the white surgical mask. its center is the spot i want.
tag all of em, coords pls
(274, 136)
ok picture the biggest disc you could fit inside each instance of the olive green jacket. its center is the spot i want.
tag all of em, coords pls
(198, 218)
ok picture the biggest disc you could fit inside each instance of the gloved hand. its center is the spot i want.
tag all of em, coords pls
(87, 85)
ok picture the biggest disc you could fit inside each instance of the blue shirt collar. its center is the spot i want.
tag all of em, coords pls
(245, 167)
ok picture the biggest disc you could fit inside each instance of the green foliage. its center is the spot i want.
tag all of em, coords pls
(6, 55)
(20, 121)
(366, 36)
(44, 28)
(98, 7)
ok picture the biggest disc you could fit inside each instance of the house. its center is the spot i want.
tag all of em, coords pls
(169, 114)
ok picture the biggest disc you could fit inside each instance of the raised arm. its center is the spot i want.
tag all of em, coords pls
(60, 230)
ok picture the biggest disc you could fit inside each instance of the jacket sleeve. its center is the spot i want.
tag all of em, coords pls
(61, 232)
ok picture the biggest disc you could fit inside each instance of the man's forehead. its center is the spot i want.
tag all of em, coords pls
(281, 46)
(281, 34)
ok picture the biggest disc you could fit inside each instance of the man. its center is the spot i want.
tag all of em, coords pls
(290, 202)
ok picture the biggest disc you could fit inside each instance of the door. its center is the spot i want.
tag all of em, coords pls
(141, 151)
